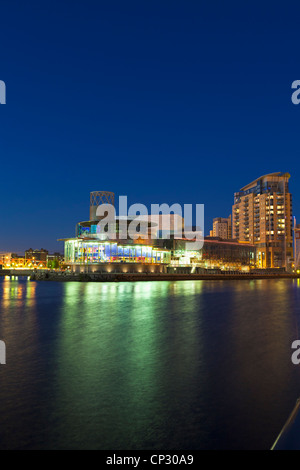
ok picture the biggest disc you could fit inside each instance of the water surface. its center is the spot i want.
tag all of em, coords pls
(147, 365)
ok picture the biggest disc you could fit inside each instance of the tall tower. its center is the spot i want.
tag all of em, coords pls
(262, 215)
(97, 198)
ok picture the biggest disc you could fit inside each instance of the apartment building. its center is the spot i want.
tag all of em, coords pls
(222, 228)
(262, 215)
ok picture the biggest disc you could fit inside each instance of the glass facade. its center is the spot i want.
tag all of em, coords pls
(214, 253)
(92, 252)
(240, 254)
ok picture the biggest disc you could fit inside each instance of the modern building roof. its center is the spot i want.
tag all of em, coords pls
(270, 175)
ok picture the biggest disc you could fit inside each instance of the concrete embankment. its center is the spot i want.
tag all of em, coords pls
(15, 272)
(113, 277)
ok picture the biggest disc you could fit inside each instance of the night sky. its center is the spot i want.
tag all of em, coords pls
(162, 101)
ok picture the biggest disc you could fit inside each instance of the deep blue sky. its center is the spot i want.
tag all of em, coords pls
(162, 101)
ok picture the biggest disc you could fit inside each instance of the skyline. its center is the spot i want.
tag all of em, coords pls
(207, 230)
(162, 105)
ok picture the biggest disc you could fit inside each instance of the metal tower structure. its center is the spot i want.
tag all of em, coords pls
(97, 198)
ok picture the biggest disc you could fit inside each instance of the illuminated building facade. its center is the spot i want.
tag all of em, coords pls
(262, 215)
(92, 253)
(33, 260)
(17, 262)
(97, 250)
(5, 259)
(297, 246)
(222, 228)
(39, 255)
(228, 254)
(216, 253)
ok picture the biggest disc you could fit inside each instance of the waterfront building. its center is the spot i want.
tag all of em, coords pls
(94, 255)
(39, 255)
(228, 254)
(5, 259)
(18, 262)
(262, 215)
(33, 259)
(216, 253)
(93, 249)
(222, 228)
(297, 246)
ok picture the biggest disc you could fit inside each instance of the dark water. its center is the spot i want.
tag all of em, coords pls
(150, 365)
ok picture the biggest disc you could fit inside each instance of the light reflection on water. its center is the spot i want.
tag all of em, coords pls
(147, 365)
